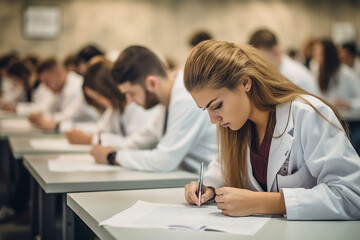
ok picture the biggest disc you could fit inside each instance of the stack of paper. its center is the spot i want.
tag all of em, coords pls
(76, 163)
(18, 124)
(57, 144)
(189, 217)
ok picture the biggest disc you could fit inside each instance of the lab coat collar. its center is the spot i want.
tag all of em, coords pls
(279, 149)
(280, 146)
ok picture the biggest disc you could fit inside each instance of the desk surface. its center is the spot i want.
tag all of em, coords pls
(14, 127)
(95, 207)
(350, 115)
(21, 146)
(124, 179)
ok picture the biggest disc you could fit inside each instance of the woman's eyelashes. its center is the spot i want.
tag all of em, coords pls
(218, 106)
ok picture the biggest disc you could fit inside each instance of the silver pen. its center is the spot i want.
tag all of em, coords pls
(201, 181)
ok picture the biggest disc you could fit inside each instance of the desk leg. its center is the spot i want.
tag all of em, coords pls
(68, 220)
(47, 216)
(34, 208)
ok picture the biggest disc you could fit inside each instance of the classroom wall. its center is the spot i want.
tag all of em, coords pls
(167, 24)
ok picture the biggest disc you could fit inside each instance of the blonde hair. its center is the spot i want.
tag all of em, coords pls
(217, 64)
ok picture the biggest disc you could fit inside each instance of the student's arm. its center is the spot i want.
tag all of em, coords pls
(331, 159)
(146, 137)
(183, 130)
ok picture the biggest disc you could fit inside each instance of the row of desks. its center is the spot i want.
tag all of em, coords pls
(96, 196)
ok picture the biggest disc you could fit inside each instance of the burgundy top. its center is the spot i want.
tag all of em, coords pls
(259, 156)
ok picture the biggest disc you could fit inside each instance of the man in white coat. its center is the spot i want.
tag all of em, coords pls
(180, 136)
(266, 42)
(69, 103)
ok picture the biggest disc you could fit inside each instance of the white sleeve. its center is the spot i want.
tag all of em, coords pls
(332, 160)
(183, 130)
(213, 176)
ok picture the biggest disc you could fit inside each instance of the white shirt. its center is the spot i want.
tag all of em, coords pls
(298, 74)
(326, 184)
(11, 92)
(42, 98)
(114, 126)
(70, 104)
(189, 139)
(344, 85)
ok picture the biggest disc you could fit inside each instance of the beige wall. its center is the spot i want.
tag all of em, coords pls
(167, 24)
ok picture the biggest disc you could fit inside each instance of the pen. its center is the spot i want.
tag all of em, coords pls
(201, 181)
(99, 136)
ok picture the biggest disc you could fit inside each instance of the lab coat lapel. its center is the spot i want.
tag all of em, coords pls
(253, 184)
(280, 146)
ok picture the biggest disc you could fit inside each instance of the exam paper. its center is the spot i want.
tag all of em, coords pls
(18, 124)
(57, 144)
(77, 163)
(188, 217)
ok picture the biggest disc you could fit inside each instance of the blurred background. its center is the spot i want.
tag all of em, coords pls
(167, 25)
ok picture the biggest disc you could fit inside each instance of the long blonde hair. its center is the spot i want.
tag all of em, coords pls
(217, 64)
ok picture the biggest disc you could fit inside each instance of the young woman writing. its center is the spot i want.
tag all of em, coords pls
(282, 150)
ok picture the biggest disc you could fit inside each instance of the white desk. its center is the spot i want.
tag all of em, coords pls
(350, 115)
(50, 183)
(21, 146)
(95, 207)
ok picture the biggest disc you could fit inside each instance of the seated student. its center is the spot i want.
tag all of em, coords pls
(282, 150)
(84, 56)
(337, 82)
(266, 41)
(347, 55)
(69, 103)
(36, 97)
(101, 91)
(181, 135)
(9, 90)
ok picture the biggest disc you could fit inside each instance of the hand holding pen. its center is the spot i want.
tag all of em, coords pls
(195, 195)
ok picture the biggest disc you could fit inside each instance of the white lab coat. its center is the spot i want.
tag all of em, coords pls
(298, 74)
(70, 104)
(344, 85)
(189, 139)
(114, 126)
(42, 98)
(326, 184)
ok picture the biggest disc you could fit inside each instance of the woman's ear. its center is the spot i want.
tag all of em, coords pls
(246, 83)
(151, 83)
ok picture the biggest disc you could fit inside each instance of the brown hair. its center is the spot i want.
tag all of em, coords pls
(330, 65)
(46, 64)
(135, 63)
(263, 38)
(217, 64)
(198, 37)
(98, 78)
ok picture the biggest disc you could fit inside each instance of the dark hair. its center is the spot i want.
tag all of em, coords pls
(88, 52)
(350, 47)
(331, 64)
(198, 37)
(135, 63)
(47, 64)
(22, 70)
(263, 38)
(71, 60)
(7, 59)
(98, 78)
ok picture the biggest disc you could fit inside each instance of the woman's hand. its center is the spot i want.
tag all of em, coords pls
(241, 202)
(78, 137)
(191, 193)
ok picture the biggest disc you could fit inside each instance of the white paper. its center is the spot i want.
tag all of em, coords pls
(18, 124)
(57, 144)
(187, 217)
(78, 163)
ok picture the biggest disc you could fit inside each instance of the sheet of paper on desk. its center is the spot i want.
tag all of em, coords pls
(57, 144)
(78, 163)
(187, 217)
(21, 124)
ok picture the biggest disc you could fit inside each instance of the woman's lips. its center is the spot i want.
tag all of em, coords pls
(226, 124)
